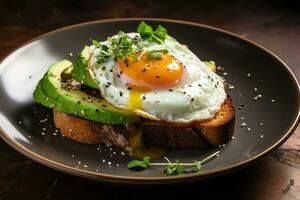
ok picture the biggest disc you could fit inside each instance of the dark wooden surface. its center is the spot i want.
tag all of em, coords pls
(273, 24)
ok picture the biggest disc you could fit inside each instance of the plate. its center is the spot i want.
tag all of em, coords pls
(251, 70)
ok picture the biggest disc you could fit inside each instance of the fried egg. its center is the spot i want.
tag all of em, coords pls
(177, 88)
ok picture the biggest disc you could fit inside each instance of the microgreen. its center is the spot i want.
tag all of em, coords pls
(169, 167)
(156, 54)
(146, 32)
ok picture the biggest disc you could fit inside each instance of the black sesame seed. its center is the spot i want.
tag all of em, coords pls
(216, 86)
(156, 76)
(148, 65)
(106, 86)
(199, 85)
(118, 76)
(171, 90)
(121, 72)
(83, 99)
(144, 70)
(103, 105)
(190, 85)
(184, 92)
(97, 110)
(144, 97)
(78, 102)
(129, 88)
(192, 99)
(103, 68)
(111, 70)
(121, 93)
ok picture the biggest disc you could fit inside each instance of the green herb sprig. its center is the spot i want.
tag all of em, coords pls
(171, 168)
(146, 32)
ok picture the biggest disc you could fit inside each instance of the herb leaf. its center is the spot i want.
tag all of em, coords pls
(145, 30)
(139, 163)
(136, 163)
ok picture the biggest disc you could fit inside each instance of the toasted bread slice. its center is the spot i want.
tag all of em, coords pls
(214, 132)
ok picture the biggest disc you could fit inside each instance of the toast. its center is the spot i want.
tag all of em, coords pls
(197, 136)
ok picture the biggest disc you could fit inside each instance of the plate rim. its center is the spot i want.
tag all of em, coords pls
(155, 179)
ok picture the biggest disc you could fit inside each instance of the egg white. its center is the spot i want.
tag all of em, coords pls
(197, 97)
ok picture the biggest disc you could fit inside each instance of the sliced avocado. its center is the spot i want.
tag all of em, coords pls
(51, 92)
(80, 71)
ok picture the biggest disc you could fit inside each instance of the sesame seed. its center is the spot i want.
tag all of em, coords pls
(144, 97)
(103, 105)
(97, 110)
(261, 136)
(273, 100)
(225, 73)
(118, 75)
(199, 85)
(192, 99)
(242, 118)
(82, 112)
(79, 162)
(248, 75)
(103, 68)
(43, 133)
(261, 123)
(20, 122)
(121, 93)
(121, 72)
(71, 54)
(255, 89)
(144, 70)
(232, 137)
(109, 163)
(171, 90)
(248, 129)
(184, 92)
(122, 153)
(103, 160)
(243, 124)
(85, 166)
(156, 76)
(231, 87)
(129, 88)
(78, 102)
(111, 70)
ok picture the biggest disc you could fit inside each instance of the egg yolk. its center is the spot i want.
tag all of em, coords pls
(151, 74)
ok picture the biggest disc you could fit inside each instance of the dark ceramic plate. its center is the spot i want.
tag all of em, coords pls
(251, 69)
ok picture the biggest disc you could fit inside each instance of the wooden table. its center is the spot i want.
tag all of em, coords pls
(275, 26)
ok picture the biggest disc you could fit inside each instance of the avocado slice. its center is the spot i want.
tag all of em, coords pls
(80, 71)
(51, 92)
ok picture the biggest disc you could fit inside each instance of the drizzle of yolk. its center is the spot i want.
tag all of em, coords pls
(135, 99)
(151, 74)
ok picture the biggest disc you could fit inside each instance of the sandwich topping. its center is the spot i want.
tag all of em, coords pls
(154, 76)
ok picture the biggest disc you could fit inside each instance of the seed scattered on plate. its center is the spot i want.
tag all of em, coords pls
(73, 155)
(232, 137)
(243, 124)
(109, 162)
(273, 100)
(20, 122)
(54, 134)
(248, 129)
(44, 120)
(71, 54)
(103, 160)
(123, 153)
(79, 162)
(225, 74)
(248, 75)
(261, 123)
(242, 118)
(261, 136)
(85, 166)
(231, 87)
(255, 89)
(257, 97)
(43, 133)
(29, 136)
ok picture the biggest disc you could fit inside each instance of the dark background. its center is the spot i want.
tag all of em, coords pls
(273, 24)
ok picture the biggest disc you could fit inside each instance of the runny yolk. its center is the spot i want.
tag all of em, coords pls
(151, 74)
(135, 99)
